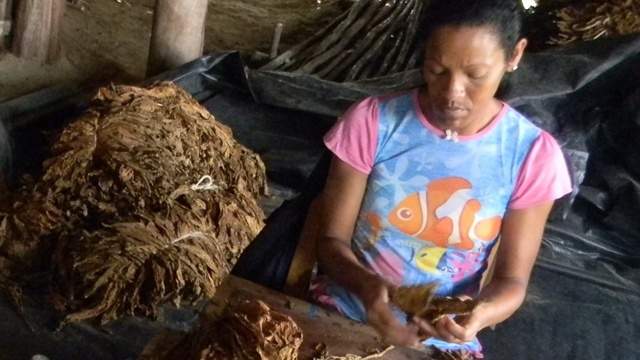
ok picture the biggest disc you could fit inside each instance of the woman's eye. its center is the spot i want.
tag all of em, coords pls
(436, 71)
(477, 76)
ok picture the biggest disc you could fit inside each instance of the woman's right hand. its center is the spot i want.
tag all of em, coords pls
(336, 257)
(376, 300)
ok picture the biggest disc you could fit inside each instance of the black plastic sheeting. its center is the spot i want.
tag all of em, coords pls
(585, 289)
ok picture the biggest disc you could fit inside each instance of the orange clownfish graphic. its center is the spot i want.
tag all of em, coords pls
(445, 215)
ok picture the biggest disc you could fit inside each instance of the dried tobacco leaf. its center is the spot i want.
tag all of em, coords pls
(25, 218)
(414, 299)
(595, 19)
(118, 203)
(440, 307)
(248, 330)
(322, 353)
(420, 301)
(437, 354)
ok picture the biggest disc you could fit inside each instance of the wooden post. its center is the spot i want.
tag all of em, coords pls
(37, 30)
(5, 22)
(178, 34)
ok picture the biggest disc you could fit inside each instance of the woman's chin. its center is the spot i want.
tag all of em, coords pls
(453, 119)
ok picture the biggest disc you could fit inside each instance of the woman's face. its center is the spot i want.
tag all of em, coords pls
(463, 68)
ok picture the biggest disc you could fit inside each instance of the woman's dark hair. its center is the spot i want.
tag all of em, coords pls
(504, 16)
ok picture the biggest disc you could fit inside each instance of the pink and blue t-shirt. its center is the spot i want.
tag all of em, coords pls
(433, 207)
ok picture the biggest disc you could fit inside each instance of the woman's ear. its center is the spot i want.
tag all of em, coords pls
(518, 51)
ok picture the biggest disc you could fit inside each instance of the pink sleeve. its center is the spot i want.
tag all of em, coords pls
(544, 175)
(354, 138)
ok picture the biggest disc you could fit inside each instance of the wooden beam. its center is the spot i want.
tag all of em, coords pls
(178, 34)
(5, 22)
(37, 30)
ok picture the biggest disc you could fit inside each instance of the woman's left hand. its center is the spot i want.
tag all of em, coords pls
(460, 329)
(521, 235)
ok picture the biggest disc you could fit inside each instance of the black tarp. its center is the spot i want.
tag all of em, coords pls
(585, 288)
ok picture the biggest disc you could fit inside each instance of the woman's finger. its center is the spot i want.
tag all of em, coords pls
(442, 327)
(458, 331)
(397, 334)
(425, 329)
(413, 335)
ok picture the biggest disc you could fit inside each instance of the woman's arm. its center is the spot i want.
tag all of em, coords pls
(340, 202)
(520, 241)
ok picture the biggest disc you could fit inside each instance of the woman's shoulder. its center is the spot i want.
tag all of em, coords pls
(393, 107)
(397, 95)
(386, 99)
(382, 108)
(523, 124)
(518, 118)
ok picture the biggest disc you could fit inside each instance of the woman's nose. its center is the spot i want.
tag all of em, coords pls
(455, 87)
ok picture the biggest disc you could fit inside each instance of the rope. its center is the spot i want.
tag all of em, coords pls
(195, 234)
(205, 183)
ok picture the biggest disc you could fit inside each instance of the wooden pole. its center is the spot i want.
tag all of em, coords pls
(5, 22)
(37, 30)
(178, 34)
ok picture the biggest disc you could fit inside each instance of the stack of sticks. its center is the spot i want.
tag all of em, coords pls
(373, 38)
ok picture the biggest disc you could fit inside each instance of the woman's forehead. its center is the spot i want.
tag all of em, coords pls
(464, 44)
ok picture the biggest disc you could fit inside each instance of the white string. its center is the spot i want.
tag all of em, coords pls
(195, 234)
(205, 183)
(451, 135)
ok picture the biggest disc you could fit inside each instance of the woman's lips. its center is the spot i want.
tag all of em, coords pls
(454, 112)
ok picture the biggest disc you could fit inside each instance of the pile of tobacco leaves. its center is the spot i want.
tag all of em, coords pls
(145, 199)
(595, 19)
(248, 330)
(563, 22)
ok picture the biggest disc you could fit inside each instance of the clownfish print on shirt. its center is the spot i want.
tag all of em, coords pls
(445, 215)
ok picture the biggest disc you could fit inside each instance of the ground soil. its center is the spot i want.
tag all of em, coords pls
(108, 40)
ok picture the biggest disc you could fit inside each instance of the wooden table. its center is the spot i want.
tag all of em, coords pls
(340, 335)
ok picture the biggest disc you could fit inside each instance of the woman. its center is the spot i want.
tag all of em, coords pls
(422, 184)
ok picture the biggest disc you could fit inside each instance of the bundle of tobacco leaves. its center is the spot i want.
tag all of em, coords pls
(145, 199)
(420, 301)
(437, 354)
(247, 330)
(595, 19)
(371, 39)
(322, 353)
(431, 353)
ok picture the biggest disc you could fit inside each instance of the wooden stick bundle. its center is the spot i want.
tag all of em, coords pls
(371, 39)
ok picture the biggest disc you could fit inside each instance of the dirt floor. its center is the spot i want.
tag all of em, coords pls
(108, 40)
